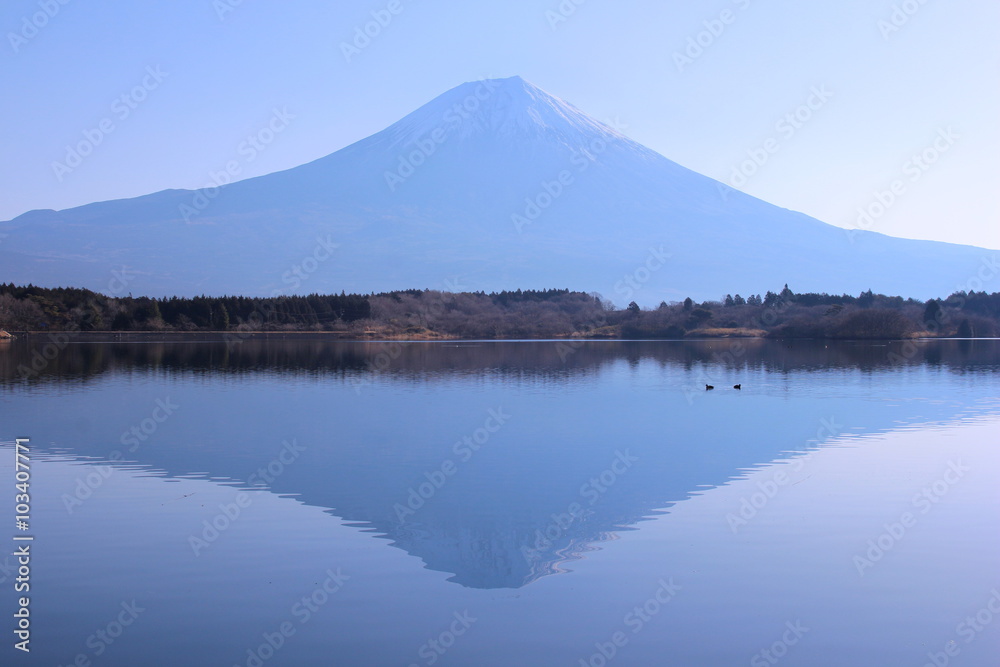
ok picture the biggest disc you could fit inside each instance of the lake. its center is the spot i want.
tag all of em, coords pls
(304, 502)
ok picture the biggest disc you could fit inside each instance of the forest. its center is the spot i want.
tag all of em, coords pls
(552, 313)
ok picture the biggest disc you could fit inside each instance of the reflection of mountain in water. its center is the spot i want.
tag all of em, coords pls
(586, 450)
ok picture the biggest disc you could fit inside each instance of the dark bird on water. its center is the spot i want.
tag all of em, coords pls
(708, 387)
(737, 386)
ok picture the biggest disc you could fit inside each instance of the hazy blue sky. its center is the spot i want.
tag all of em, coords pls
(889, 91)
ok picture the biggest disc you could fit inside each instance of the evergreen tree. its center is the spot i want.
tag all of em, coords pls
(92, 319)
(122, 321)
(221, 321)
(933, 315)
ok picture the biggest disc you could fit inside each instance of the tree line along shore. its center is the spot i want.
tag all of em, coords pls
(552, 313)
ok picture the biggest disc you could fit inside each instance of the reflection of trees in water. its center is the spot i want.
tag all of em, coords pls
(81, 360)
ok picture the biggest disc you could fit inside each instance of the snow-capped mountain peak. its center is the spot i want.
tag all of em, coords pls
(492, 185)
(504, 109)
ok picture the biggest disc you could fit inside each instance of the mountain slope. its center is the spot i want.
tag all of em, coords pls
(492, 185)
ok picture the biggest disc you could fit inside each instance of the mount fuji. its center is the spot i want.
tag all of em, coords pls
(492, 185)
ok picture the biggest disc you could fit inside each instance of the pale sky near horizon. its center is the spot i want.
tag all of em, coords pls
(897, 79)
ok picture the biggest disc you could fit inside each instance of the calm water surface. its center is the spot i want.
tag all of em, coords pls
(516, 503)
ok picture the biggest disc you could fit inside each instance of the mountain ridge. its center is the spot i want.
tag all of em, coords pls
(495, 182)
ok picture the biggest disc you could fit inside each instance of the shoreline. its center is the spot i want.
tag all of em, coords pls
(238, 337)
